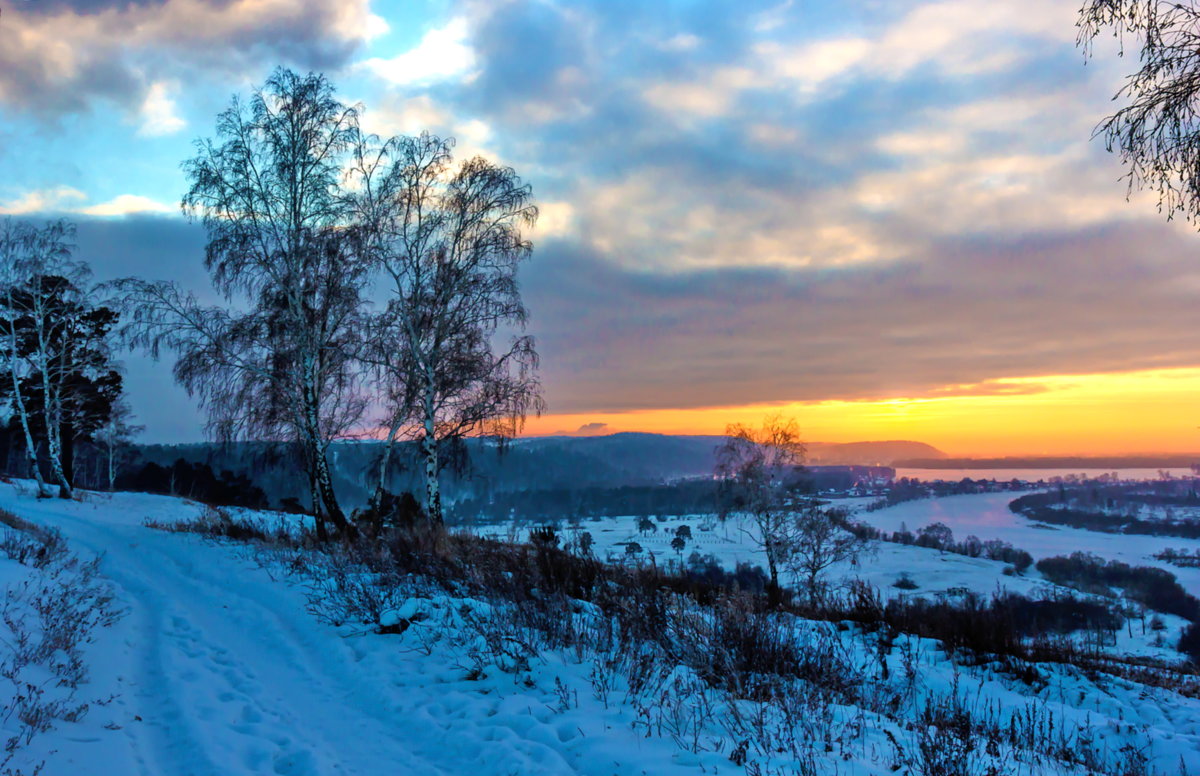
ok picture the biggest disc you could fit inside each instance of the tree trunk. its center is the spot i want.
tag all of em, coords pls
(433, 490)
(68, 454)
(53, 415)
(324, 484)
(429, 446)
(30, 447)
(385, 460)
(314, 495)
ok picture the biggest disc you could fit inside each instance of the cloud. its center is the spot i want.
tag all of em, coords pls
(158, 112)
(761, 201)
(62, 56)
(123, 205)
(713, 97)
(587, 429)
(992, 388)
(443, 53)
(47, 200)
(65, 199)
(972, 314)
(555, 219)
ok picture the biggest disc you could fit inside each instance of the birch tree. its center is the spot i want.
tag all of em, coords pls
(1156, 128)
(114, 438)
(818, 541)
(41, 280)
(448, 240)
(277, 363)
(14, 245)
(759, 472)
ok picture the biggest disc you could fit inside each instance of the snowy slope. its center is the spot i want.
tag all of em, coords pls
(221, 670)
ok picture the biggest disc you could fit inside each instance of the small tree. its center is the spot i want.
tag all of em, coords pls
(937, 536)
(679, 544)
(819, 541)
(449, 239)
(684, 532)
(760, 478)
(114, 440)
(646, 526)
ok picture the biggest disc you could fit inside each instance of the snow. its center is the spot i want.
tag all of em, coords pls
(987, 516)
(218, 668)
(935, 572)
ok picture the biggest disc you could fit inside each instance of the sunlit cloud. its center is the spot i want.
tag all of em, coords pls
(1127, 412)
(125, 204)
(443, 53)
(159, 115)
(45, 201)
(65, 200)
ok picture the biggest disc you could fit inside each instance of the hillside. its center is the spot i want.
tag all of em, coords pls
(278, 657)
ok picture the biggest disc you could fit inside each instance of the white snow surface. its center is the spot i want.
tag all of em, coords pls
(218, 669)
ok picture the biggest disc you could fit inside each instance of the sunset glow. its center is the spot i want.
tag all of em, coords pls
(1134, 412)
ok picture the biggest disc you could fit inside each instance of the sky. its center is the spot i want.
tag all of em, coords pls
(886, 218)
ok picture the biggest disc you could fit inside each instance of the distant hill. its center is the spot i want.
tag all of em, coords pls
(537, 463)
(870, 453)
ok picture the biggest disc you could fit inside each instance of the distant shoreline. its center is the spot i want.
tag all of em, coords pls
(1174, 461)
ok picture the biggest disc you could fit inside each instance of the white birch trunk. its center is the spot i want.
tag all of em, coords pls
(433, 492)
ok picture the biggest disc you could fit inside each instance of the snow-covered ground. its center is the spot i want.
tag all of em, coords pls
(987, 516)
(936, 573)
(218, 668)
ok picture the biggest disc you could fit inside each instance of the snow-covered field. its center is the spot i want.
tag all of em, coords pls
(936, 573)
(218, 668)
(987, 516)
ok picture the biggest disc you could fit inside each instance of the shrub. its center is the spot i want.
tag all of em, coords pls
(1156, 588)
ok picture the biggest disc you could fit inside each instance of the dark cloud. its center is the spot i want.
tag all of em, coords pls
(58, 57)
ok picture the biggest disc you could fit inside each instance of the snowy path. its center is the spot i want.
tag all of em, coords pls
(222, 671)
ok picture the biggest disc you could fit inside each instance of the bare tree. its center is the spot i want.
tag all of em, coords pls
(1156, 131)
(281, 243)
(38, 276)
(448, 239)
(760, 472)
(14, 245)
(114, 439)
(818, 540)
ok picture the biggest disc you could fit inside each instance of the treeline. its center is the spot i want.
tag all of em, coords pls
(196, 481)
(939, 536)
(688, 497)
(1054, 509)
(912, 489)
(1154, 588)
